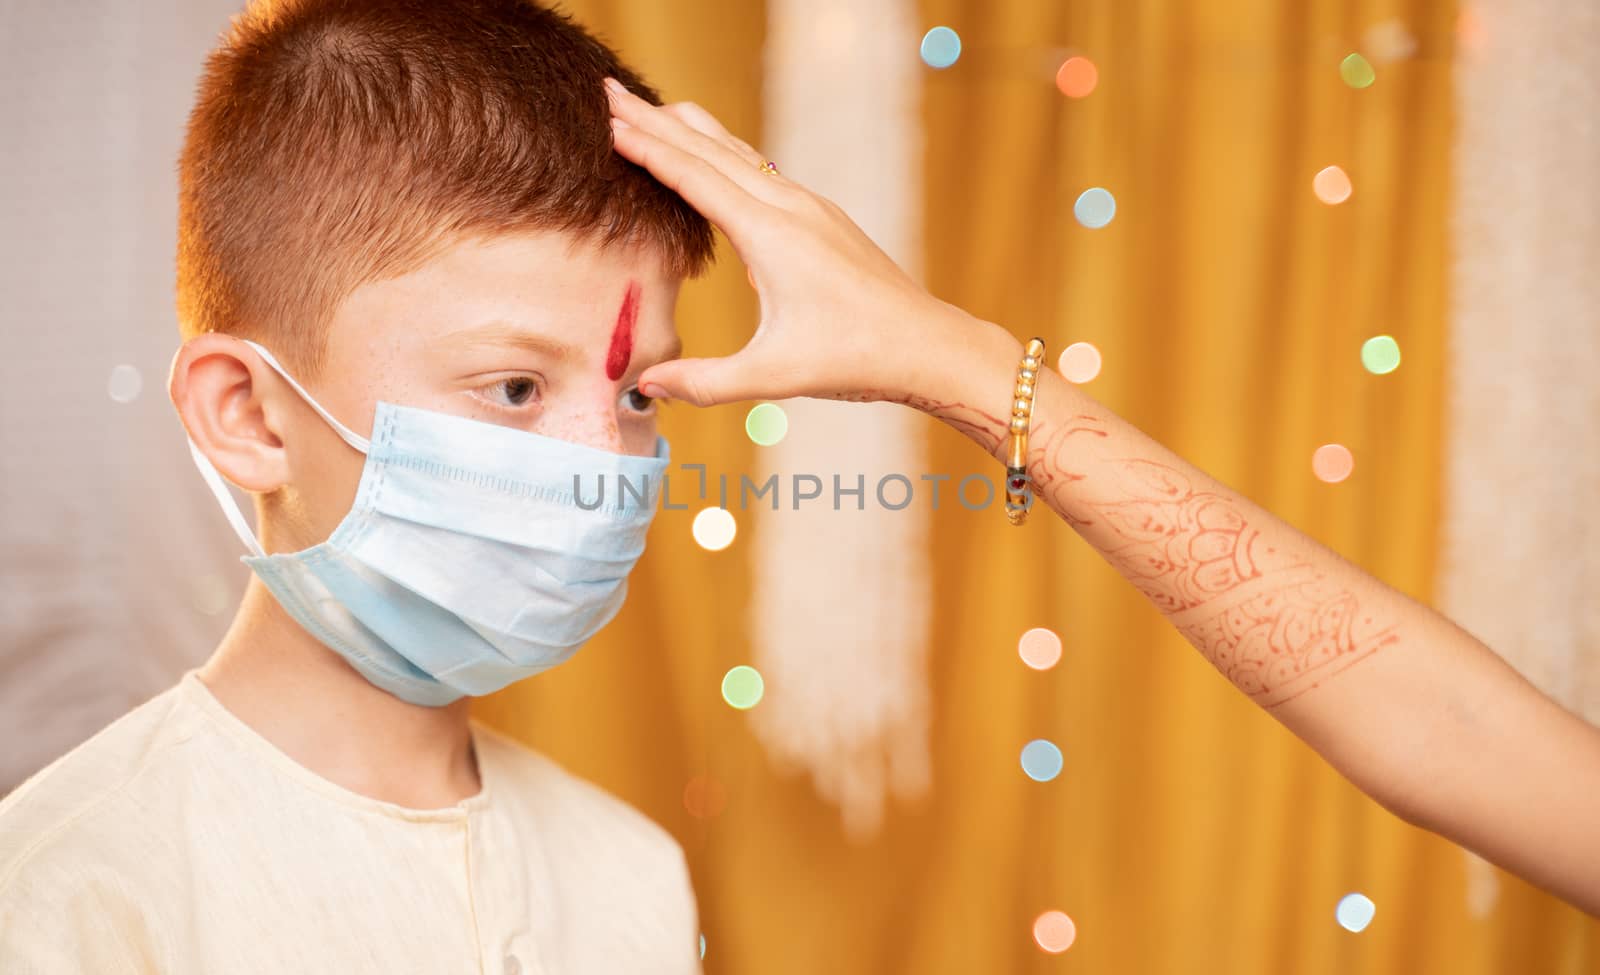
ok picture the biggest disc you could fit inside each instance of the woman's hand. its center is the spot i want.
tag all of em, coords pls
(839, 319)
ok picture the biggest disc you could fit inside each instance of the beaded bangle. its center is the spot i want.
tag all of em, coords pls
(1019, 489)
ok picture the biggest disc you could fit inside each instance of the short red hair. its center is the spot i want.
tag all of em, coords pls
(336, 142)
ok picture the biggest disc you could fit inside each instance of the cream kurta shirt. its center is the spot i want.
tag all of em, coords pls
(178, 840)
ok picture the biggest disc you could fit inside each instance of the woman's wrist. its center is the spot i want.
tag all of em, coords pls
(962, 371)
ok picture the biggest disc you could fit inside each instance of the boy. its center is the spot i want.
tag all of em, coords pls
(417, 288)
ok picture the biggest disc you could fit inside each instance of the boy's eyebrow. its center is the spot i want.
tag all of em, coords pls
(504, 333)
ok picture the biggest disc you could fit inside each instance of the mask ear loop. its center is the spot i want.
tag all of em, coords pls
(230, 507)
(350, 437)
(219, 487)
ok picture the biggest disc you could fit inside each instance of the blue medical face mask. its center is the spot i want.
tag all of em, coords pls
(467, 561)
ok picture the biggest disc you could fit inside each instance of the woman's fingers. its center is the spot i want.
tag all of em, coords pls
(710, 382)
(706, 124)
(673, 131)
(722, 201)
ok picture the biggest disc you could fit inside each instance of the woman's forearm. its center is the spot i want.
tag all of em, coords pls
(1415, 711)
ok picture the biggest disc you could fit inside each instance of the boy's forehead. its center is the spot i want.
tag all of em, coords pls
(495, 290)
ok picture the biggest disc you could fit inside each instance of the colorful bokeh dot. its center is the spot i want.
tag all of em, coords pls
(1355, 912)
(704, 797)
(1095, 207)
(1041, 760)
(1332, 186)
(714, 529)
(1053, 931)
(1357, 71)
(1470, 32)
(1332, 462)
(1380, 355)
(742, 687)
(1077, 77)
(124, 384)
(1040, 648)
(766, 423)
(941, 47)
(1079, 362)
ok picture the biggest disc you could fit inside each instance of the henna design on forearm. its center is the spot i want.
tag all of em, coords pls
(1268, 621)
(982, 427)
(1281, 643)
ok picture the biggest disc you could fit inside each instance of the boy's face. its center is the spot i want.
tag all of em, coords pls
(530, 331)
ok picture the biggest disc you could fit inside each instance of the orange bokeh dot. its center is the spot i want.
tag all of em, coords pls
(1332, 186)
(1054, 932)
(1469, 29)
(1332, 462)
(1079, 362)
(704, 797)
(1077, 77)
(1039, 648)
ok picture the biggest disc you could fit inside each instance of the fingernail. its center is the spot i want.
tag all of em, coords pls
(617, 123)
(652, 390)
(615, 85)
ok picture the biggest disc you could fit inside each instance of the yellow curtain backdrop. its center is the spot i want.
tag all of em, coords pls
(1188, 832)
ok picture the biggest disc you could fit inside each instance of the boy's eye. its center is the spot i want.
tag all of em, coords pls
(515, 391)
(637, 401)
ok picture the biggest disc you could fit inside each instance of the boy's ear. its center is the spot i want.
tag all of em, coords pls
(223, 394)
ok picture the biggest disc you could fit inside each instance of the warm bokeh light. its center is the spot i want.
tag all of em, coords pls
(1079, 362)
(714, 529)
(742, 687)
(1095, 207)
(1332, 462)
(1380, 355)
(124, 384)
(1077, 77)
(1054, 932)
(766, 423)
(1332, 186)
(941, 47)
(1389, 41)
(1041, 760)
(1039, 648)
(1355, 912)
(704, 797)
(1470, 33)
(1357, 71)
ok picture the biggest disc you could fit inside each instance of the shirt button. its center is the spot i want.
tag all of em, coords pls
(513, 967)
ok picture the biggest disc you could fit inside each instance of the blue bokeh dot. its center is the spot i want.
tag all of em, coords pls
(941, 47)
(1355, 912)
(1095, 208)
(1041, 760)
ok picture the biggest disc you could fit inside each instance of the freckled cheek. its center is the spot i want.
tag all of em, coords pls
(640, 438)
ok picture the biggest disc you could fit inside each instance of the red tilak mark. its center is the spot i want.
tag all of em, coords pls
(622, 337)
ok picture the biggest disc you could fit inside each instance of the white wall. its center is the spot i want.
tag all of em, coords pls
(116, 570)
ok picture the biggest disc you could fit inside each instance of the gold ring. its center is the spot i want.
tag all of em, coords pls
(770, 168)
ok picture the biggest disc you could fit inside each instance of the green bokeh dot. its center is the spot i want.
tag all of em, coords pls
(1357, 71)
(766, 423)
(1380, 354)
(742, 687)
